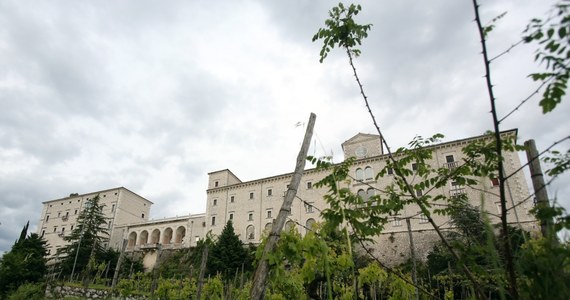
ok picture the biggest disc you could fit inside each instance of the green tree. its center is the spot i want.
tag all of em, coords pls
(228, 254)
(24, 263)
(86, 242)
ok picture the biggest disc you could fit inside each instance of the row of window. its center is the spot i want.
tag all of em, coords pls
(268, 214)
(368, 174)
(252, 194)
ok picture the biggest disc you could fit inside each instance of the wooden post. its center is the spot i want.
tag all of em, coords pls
(413, 253)
(202, 271)
(258, 287)
(118, 266)
(538, 183)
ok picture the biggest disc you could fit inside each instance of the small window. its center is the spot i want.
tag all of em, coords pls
(47, 218)
(449, 158)
(50, 205)
(251, 195)
(197, 238)
(113, 208)
(142, 215)
(54, 229)
(76, 211)
(78, 200)
(309, 185)
(419, 193)
(269, 214)
(104, 196)
(369, 193)
(250, 217)
(216, 183)
(58, 214)
(269, 192)
(415, 166)
(232, 199)
(213, 221)
(62, 230)
(109, 225)
(362, 194)
(115, 194)
(231, 216)
(43, 233)
(397, 222)
(215, 202)
(390, 171)
(71, 227)
(61, 203)
(495, 181)
(308, 208)
(66, 214)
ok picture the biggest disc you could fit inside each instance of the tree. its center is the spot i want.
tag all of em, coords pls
(228, 254)
(85, 243)
(24, 263)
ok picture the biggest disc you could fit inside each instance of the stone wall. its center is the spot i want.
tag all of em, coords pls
(60, 292)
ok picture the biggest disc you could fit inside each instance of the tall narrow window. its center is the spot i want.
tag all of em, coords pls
(232, 199)
(216, 183)
(113, 208)
(368, 174)
(269, 214)
(309, 185)
(213, 221)
(231, 216)
(251, 195)
(215, 202)
(250, 217)
(359, 174)
(415, 166)
(47, 218)
(269, 192)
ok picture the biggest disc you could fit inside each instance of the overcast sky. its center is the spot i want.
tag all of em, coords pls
(153, 95)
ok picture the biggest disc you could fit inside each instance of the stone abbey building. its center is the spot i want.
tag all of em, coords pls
(253, 205)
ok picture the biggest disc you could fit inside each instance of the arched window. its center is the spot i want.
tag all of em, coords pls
(359, 174)
(155, 237)
(309, 224)
(132, 239)
(180, 233)
(250, 232)
(144, 237)
(289, 225)
(362, 194)
(369, 193)
(167, 236)
(368, 174)
(267, 229)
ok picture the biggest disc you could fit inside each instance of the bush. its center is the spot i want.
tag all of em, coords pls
(28, 291)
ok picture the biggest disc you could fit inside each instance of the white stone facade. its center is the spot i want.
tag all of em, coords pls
(121, 206)
(253, 205)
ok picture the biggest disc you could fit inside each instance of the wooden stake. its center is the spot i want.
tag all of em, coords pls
(118, 266)
(258, 287)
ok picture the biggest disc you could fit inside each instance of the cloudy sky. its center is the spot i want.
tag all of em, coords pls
(153, 95)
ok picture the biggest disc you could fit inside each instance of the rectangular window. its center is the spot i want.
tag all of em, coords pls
(308, 208)
(113, 208)
(47, 218)
(415, 166)
(449, 158)
(213, 221)
(309, 185)
(71, 228)
(231, 216)
(54, 229)
(215, 202)
(269, 192)
(216, 184)
(62, 230)
(251, 195)
(76, 211)
(269, 214)
(232, 199)
(397, 222)
(250, 217)
(423, 218)
(110, 223)
(419, 193)
(495, 181)
(390, 171)
(58, 214)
